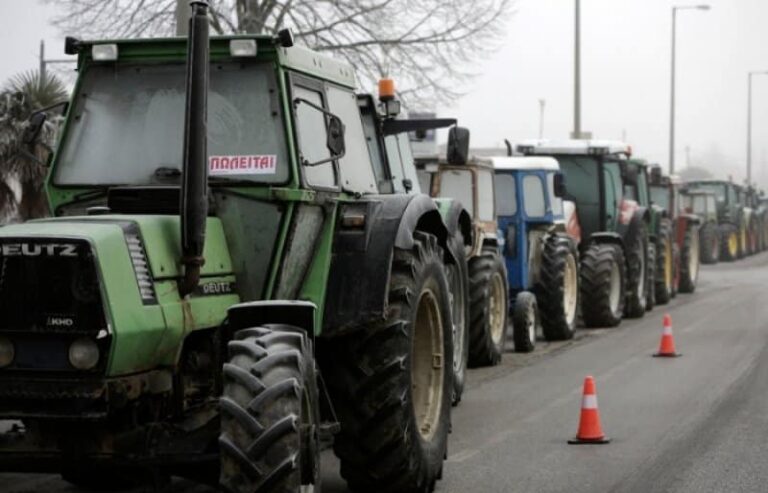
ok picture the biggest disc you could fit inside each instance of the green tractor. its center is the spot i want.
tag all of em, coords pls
(615, 245)
(227, 285)
(732, 216)
(704, 205)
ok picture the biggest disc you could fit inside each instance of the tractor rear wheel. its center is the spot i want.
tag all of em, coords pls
(689, 261)
(603, 275)
(269, 412)
(651, 297)
(709, 242)
(391, 383)
(525, 322)
(637, 273)
(488, 308)
(730, 242)
(558, 288)
(665, 268)
(458, 283)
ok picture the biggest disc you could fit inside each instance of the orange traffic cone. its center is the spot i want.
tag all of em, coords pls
(667, 346)
(589, 422)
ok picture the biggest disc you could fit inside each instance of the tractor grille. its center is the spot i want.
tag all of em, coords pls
(49, 297)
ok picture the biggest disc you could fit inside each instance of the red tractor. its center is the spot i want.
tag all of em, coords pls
(678, 246)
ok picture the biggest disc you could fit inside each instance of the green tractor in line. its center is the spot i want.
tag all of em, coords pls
(733, 218)
(704, 205)
(227, 283)
(615, 250)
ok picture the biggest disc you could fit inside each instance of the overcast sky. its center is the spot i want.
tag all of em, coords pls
(626, 57)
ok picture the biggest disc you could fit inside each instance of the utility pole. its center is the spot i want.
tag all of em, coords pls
(577, 74)
(672, 97)
(542, 105)
(45, 62)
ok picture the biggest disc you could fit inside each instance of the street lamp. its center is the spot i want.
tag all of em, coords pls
(672, 103)
(749, 123)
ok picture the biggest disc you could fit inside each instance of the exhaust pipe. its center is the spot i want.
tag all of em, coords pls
(194, 184)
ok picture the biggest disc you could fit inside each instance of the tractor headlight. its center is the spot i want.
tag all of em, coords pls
(7, 352)
(84, 354)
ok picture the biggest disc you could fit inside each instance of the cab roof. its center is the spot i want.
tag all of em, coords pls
(535, 163)
(574, 147)
(298, 58)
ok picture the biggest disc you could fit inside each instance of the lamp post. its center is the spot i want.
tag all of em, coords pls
(577, 74)
(749, 123)
(672, 102)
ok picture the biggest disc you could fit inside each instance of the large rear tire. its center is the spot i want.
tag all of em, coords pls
(689, 261)
(269, 412)
(558, 288)
(525, 322)
(603, 275)
(709, 242)
(391, 384)
(665, 267)
(458, 283)
(637, 273)
(488, 308)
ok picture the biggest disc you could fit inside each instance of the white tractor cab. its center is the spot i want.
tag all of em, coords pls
(541, 258)
(615, 249)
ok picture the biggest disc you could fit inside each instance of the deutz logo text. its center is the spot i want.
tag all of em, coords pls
(38, 249)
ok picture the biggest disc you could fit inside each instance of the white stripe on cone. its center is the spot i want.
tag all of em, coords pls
(667, 330)
(589, 401)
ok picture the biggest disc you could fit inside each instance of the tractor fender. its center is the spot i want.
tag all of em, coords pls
(605, 237)
(456, 218)
(299, 314)
(358, 281)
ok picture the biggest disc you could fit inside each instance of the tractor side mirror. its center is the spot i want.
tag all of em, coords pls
(336, 142)
(34, 127)
(655, 176)
(559, 182)
(458, 145)
(629, 174)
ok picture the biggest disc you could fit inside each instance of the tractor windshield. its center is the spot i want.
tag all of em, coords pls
(582, 179)
(506, 194)
(660, 196)
(126, 126)
(697, 204)
(719, 189)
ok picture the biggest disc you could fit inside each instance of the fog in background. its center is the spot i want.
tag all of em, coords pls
(625, 76)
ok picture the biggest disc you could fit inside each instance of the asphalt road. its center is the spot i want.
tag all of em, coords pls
(698, 423)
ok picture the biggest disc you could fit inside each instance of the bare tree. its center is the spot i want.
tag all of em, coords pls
(429, 46)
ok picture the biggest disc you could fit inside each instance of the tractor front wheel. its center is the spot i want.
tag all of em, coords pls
(558, 288)
(709, 242)
(637, 273)
(665, 267)
(391, 383)
(458, 283)
(689, 261)
(488, 308)
(269, 412)
(525, 322)
(603, 274)
(730, 242)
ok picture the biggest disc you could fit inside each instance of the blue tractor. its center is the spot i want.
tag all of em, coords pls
(541, 256)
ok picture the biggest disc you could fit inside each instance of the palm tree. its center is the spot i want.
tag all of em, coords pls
(22, 172)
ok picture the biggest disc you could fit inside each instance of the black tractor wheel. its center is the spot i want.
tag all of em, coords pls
(558, 288)
(269, 412)
(729, 242)
(458, 283)
(709, 242)
(391, 383)
(603, 274)
(689, 260)
(637, 273)
(488, 308)
(98, 478)
(651, 296)
(525, 322)
(675, 269)
(665, 266)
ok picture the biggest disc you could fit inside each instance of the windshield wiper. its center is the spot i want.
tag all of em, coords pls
(167, 172)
